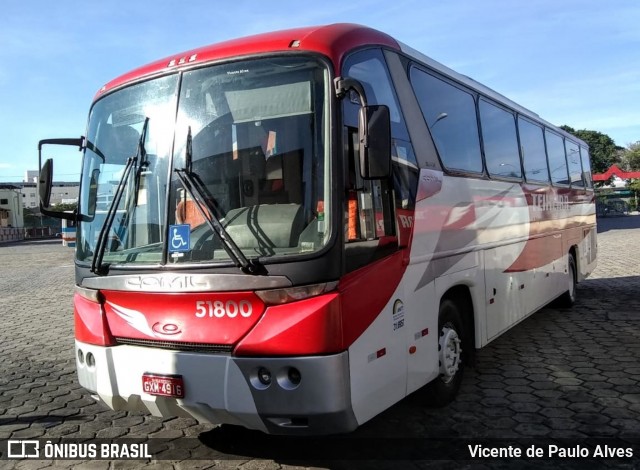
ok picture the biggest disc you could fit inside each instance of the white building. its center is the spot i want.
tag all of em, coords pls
(11, 211)
(61, 192)
(31, 176)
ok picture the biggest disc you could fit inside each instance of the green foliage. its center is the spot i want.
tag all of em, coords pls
(602, 148)
(64, 207)
(33, 218)
(631, 160)
(631, 157)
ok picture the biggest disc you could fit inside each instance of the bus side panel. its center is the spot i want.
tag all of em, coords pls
(378, 361)
(549, 278)
(587, 253)
(421, 325)
(581, 233)
(454, 225)
(423, 308)
(469, 272)
(505, 305)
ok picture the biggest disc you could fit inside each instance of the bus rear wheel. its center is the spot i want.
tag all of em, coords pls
(451, 344)
(568, 299)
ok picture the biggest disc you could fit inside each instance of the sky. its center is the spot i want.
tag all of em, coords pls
(574, 62)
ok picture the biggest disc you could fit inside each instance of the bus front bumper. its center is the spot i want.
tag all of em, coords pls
(224, 389)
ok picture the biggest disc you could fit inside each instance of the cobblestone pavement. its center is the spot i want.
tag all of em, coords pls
(559, 374)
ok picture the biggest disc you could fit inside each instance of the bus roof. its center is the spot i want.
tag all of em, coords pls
(333, 41)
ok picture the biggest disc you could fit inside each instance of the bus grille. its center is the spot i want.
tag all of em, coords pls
(177, 345)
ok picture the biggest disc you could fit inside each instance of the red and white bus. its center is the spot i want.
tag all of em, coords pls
(303, 227)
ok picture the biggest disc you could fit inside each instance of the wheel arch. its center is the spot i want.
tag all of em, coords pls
(573, 250)
(460, 294)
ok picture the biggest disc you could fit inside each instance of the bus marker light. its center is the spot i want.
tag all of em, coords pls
(376, 355)
(421, 334)
(412, 350)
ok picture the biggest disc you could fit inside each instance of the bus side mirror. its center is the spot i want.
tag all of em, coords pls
(45, 182)
(45, 178)
(374, 128)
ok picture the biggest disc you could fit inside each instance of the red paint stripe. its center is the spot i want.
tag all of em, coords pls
(366, 291)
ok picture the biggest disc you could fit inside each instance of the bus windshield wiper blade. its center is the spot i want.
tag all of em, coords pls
(142, 161)
(101, 245)
(193, 185)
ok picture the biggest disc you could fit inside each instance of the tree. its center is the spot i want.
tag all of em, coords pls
(64, 207)
(631, 161)
(33, 218)
(631, 157)
(602, 148)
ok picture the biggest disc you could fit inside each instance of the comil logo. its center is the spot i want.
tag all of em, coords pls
(23, 449)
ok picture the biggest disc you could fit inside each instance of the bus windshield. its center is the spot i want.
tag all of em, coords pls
(254, 136)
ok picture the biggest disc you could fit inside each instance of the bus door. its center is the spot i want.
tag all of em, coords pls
(373, 247)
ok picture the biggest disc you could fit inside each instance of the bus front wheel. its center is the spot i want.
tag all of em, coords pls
(451, 344)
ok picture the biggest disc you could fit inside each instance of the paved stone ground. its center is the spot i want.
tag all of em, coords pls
(560, 374)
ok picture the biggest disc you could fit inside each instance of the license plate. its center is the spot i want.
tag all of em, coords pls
(163, 385)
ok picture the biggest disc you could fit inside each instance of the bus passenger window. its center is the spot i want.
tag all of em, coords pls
(586, 167)
(557, 161)
(450, 114)
(534, 156)
(575, 166)
(499, 141)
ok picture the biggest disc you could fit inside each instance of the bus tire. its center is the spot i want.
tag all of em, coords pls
(568, 299)
(451, 344)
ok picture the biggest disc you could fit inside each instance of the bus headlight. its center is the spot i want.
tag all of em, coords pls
(292, 294)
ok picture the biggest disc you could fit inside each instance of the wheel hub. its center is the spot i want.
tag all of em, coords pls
(450, 353)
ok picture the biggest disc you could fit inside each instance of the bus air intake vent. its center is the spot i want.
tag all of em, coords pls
(178, 346)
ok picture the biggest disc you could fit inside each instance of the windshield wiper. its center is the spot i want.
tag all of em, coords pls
(198, 193)
(141, 166)
(101, 245)
(143, 162)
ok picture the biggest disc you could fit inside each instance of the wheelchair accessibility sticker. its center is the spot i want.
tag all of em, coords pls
(179, 238)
